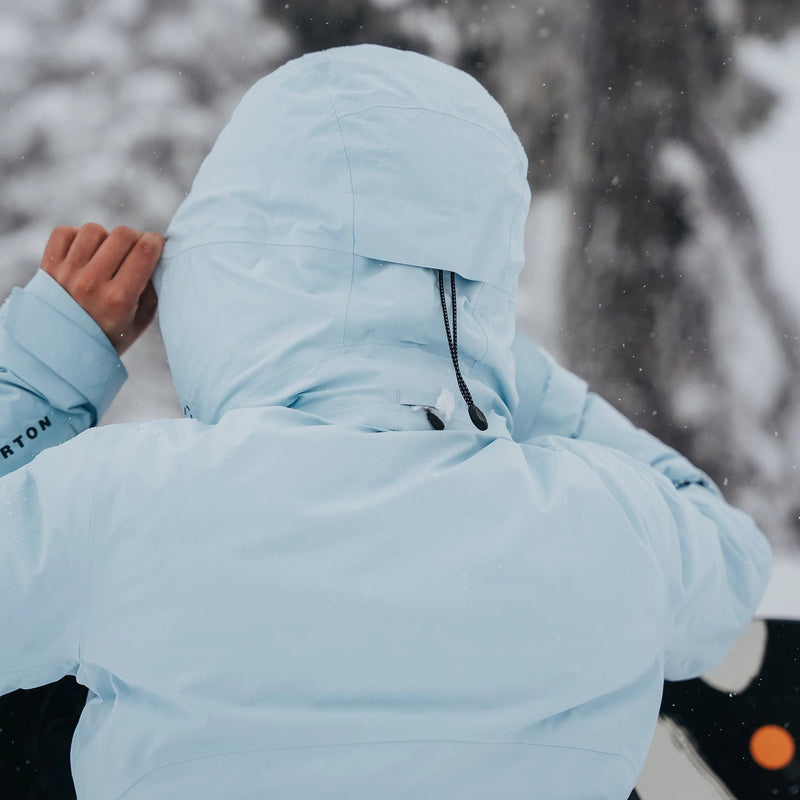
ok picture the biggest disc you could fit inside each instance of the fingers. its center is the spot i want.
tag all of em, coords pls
(58, 245)
(112, 252)
(87, 241)
(108, 275)
(136, 270)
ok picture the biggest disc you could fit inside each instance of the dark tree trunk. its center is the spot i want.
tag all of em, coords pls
(472, 43)
(667, 284)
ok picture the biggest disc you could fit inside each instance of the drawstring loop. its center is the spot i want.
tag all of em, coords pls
(475, 414)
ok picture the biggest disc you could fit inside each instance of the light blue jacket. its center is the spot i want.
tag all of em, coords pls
(305, 591)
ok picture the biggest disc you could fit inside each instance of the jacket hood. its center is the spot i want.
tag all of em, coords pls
(302, 268)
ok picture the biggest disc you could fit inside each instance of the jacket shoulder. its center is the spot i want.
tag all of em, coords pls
(551, 398)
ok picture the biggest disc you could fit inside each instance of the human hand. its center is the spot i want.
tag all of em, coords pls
(108, 275)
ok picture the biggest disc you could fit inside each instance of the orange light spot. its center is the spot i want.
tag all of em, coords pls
(772, 747)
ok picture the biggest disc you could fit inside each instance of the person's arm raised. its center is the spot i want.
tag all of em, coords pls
(61, 336)
(59, 370)
(718, 561)
(555, 401)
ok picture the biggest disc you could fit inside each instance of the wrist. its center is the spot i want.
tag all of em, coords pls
(60, 350)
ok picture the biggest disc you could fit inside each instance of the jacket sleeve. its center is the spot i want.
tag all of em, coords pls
(58, 371)
(719, 560)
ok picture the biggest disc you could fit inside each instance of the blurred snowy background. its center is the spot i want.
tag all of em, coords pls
(664, 143)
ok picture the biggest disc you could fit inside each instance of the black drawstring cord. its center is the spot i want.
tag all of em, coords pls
(475, 414)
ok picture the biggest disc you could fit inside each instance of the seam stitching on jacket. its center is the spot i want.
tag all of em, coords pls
(476, 316)
(216, 242)
(466, 122)
(382, 742)
(441, 114)
(319, 83)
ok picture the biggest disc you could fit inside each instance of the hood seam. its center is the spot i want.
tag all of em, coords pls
(466, 121)
(257, 243)
(475, 315)
(315, 77)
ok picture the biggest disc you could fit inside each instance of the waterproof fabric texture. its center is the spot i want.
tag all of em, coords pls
(304, 590)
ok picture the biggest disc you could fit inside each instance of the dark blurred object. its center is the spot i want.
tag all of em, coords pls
(457, 32)
(36, 729)
(720, 725)
(667, 275)
(320, 24)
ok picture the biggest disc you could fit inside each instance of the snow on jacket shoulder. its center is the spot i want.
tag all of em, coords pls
(305, 590)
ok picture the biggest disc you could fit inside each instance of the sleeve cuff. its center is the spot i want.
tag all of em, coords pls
(67, 346)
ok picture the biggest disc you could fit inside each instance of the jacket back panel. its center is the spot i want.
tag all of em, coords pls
(294, 597)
